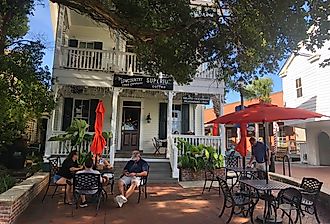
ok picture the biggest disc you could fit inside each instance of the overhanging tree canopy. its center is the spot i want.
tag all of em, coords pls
(245, 37)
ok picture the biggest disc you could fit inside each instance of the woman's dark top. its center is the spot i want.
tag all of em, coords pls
(65, 169)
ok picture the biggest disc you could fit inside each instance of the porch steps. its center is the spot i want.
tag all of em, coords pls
(160, 172)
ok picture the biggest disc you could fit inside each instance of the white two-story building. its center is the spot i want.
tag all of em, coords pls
(94, 62)
(307, 85)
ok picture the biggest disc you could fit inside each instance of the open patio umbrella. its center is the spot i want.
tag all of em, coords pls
(99, 142)
(263, 112)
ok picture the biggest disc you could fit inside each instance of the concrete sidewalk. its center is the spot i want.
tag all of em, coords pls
(299, 171)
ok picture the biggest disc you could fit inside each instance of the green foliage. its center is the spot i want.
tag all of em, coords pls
(83, 157)
(6, 182)
(260, 89)
(247, 37)
(198, 157)
(24, 83)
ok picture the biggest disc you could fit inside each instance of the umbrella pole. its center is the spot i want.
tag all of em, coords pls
(266, 142)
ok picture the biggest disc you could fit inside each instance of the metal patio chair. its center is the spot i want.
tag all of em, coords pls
(210, 176)
(54, 164)
(245, 203)
(288, 200)
(87, 184)
(311, 191)
(232, 161)
(158, 144)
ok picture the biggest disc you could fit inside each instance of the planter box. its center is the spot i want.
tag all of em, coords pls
(191, 175)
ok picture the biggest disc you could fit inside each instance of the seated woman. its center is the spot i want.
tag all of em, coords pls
(66, 171)
(89, 169)
(102, 163)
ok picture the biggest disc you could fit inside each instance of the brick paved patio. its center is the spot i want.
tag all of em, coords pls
(166, 204)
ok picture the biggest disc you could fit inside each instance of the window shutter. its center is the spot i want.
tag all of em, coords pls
(73, 43)
(162, 134)
(92, 114)
(67, 113)
(185, 118)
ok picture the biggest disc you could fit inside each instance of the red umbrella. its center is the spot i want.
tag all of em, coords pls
(241, 146)
(263, 112)
(99, 142)
(215, 129)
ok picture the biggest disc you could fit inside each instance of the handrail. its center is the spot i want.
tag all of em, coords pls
(287, 158)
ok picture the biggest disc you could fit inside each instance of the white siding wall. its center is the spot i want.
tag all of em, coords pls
(150, 130)
(86, 33)
(315, 83)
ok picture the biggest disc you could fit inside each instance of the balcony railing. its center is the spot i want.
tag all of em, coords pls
(111, 61)
(99, 60)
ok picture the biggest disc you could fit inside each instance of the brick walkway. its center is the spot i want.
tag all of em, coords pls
(303, 170)
(165, 204)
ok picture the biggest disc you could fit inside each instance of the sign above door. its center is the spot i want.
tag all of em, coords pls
(196, 99)
(143, 82)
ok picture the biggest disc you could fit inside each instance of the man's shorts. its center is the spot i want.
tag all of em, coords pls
(129, 180)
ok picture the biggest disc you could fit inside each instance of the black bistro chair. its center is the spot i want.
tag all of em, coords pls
(232, 161)
(210, 176)
(311, 190)
(87, 184)
(288, 200)
(54, 164)
(143, 186)
(244, 203)
(158, 144)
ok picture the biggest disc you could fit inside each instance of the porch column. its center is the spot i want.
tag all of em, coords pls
(222, 128)
(170, 96)
(113, 124)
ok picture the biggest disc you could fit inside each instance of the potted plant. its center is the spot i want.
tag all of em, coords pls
(76, 134)
(194, 160)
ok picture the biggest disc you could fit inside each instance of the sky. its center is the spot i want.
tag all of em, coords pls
(41, 27)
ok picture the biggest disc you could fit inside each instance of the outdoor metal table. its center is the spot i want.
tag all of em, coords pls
(239, 170)
(261, 185)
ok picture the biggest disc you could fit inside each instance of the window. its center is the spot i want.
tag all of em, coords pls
(79, 109)
(298, 87)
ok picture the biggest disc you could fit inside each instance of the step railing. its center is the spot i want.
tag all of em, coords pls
(99, 60)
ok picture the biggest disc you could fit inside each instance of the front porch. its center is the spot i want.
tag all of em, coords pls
(134, 116)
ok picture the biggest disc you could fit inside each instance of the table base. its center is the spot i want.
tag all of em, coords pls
(271, 219)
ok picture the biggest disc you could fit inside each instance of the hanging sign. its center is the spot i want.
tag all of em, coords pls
(143, 82)
(196, 99)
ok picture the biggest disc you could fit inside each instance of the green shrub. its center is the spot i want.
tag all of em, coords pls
(6, 182)
(198, 157)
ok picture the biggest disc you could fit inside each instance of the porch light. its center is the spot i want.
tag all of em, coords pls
(148, 118)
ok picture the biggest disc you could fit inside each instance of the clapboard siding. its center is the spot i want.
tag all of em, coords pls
(315, 83)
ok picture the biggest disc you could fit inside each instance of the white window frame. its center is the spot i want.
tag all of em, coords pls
(299, 92)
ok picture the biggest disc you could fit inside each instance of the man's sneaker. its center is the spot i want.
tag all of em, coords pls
(124, 199)
(83, 204)
(119, 201)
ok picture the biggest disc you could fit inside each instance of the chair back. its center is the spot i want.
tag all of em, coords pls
(232, 161)
(144, 179)
(87, 182)
(155, 142)
(54, 165)
(311, 185)
(291, 196)
(225, 189)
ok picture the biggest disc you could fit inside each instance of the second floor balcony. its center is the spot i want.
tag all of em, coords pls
(111, 61)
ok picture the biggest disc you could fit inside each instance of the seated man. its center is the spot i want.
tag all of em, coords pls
(89, 169)
(133, 171)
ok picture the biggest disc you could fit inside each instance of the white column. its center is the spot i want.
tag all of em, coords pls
(50, 125)
(222, 127)
(202, 121)
(113, 125)
(170, 96)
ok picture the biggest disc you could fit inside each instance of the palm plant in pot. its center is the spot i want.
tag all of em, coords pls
(77, 136)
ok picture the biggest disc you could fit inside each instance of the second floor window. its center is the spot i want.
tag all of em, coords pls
(299, 88)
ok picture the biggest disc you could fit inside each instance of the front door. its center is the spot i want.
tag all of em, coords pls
(130, 130)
